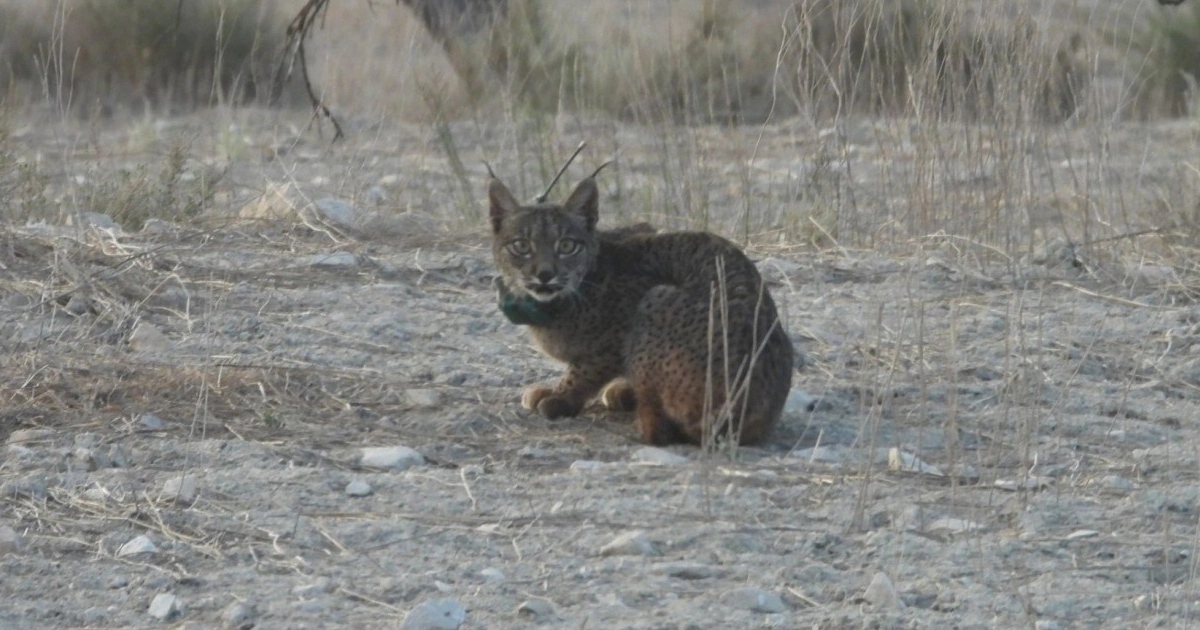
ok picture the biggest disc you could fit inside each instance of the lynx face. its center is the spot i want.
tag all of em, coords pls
(544, 250)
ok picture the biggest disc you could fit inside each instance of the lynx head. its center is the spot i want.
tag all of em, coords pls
(544, 250)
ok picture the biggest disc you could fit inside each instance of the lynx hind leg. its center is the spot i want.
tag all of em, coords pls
(619, 396)
(667, 363)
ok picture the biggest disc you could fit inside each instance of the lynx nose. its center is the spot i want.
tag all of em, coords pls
(545, 276)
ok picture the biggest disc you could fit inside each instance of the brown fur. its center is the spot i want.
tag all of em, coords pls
(636, 318)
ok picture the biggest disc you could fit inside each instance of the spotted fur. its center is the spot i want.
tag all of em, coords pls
(638, 317)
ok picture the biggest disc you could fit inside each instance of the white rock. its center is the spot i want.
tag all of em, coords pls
(1027, 483)
(907, 462)
(10, 541)
(654, 456)
(393, 457)
(1082, 533)
(240, 615)
(951, 526)
(164, 606)
(632, 543)
(492, 575)
(536, 607)
(150, 422)
(29, 435)
(754, 600)
(435, 614)
(586, 465)
(141, 544)
(146, 338)
(881, 593)
(181, 490)
(798, 402)
(358, 488)
(424, 398)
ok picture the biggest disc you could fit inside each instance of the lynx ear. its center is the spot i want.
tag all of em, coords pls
(585, 201)
(501, 202)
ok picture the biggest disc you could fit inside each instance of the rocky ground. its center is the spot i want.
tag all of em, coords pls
(312, 421)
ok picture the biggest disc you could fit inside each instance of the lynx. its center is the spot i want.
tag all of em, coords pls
(666, 325)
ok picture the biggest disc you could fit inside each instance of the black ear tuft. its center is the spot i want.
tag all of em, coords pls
(585, 201)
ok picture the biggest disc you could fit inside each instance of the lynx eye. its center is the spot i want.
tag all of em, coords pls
(568, 247)
(520, 248)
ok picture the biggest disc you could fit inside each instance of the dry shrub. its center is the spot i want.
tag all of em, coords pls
(97, 55)
(1166, 62)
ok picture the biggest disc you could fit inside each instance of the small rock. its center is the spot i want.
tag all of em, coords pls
(533, 452)
(97, 220)
(96, 616)
(654, 456)
(424, 398)
(907, 462)
(321, 586)
(79, 305)
(181, 490)
(17, 451)
(240, 615)
(435, 614)
(585, 465)
(377, 195)
(86, 440)
(1046, 624)
(881, 593)
(754, 600)
(632, 543)
(687, 570)
(118, 457)
(146, 338)
(1082, 533)
(336, 211)
(951, 526)
(139, 545)
(393, 457)
(492, 575)
(359, 488)
(798, 402)
(29, 435)
(1027, 483)
(164, 606)
(536, 607)
(94, 460)
(117, 581)
(31, 487)
(831, 454)
(10, 542)
(1117, 482)
(150, 422)
(332, 260)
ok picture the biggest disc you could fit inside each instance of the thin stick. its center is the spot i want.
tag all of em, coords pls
(542, 197)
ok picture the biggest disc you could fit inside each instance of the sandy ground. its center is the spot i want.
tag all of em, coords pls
(1007, 444)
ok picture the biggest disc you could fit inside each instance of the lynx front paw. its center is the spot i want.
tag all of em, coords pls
(543, 400)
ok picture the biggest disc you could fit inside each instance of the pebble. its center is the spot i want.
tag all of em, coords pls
(240, 615)
(1046, 624)
(118, 457)
(1082, 533)
(492, 575)
(31, 487)
(798, 402)
(536, 607)
(94, 460)
(338, 212)
(754, 600)
(359, 488)
(181, 490)
(1117, 482)
(654, 456)
(117, 581)
(140, 544)
(16, 451)
(881, 593)
(29, 435)
(632, 543)
(164, 606)
(424, 398)
(585, 465)
(332, 260)
(150, 422)
(435, 614)
(393, 457)
(10, 542)
(686, 570)
(907, 462)
(79, 305)
(146, 338)
(320, 586)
